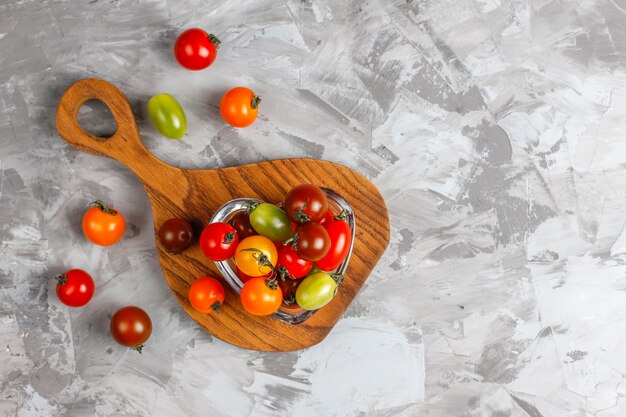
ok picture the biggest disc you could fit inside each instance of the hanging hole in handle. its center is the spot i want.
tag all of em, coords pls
(95, 118)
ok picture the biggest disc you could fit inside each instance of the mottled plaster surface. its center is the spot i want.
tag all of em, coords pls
(494, 129)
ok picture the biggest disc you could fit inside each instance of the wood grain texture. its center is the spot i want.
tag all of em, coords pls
(196, 194)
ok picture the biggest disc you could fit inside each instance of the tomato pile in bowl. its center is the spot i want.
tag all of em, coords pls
(317, 277)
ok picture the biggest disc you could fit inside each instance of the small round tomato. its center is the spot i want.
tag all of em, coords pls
(241, 223)
(245, 278)
(289, 287)
(131, 327)
(317, 290)
(311, 242)
(256, 256)
(167, 116)
(306, 202)
(219, 241)
(206, 295)
(340, 239)
(239, 107)
(270, 221)
(175, 235)
(75, 287)
(103, 225)
(195, 49)
(261, 297)
(288, 259)
(328, 217)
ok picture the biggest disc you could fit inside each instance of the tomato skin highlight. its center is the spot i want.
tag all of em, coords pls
(175, 235)
(306, 202)
(239, 107)
(328, 217)
(75, 288)
(167, 116)
(103, 225)
(259, 299)
(289, 259)
(219, 241)
(340, 239)
(195, 49)
(316, 291)
(271, 221)
(131, 327)
(249, 253)
(312, 242)
(206, 295)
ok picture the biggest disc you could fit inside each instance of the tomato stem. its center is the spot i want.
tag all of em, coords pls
(341, 216)
(272, 283)
(230, 236)
(104, 207)
(293, 241)
(301, 216)
(290, 300)
(214, 40)
(250, 207)
(61, 278)
(284, 273)
(217, 307)
(339, 278)
(261, 258)
(255, 101)
(139, 348)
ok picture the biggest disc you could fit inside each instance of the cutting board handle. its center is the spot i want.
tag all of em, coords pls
(125, 145)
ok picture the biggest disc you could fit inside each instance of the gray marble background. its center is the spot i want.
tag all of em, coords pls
(494, 129)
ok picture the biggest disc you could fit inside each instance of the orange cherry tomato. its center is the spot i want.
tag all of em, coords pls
(261, 297)
(103, 225)
(206, 295)
(256, 256)
(239, 107)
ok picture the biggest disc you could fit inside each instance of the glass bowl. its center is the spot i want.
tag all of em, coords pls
(227, 268)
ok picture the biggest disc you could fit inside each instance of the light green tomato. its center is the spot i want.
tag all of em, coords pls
(316, 291)
(167, 116)
(270, 221)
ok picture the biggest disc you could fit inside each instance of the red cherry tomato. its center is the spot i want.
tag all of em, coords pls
(328, 217)
(241, 223)
(206, 295)
(131, 327)
(306, 202)
(75, 288)
(340, 239)
(195, 49)
(219, 241)
(311, 242)
(290, 261)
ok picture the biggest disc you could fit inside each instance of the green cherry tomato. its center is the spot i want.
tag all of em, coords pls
(167, 116)
(270, 221)
(316, 291)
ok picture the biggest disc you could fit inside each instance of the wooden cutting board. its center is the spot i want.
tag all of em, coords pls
(196, 194)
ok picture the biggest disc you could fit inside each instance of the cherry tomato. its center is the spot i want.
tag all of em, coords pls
(206, 295)
(289, 287)
(340, 239)
(256, 256)
(311, 242)
(103, 225)
(306, 202)
(195, 49)
(219, 241)
(75, 287)
(245, 278)
(239, 107)
(241, 223)
(131, 327)
(288, 259)
(167, 116)
(317, 290)
(328, 217)
(270, 221)
(261, 297)
(175, 235)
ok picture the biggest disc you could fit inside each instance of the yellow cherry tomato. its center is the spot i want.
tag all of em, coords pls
(256, 256)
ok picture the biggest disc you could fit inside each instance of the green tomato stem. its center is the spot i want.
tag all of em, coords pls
(255, 101)
(104, 207)
(214, 40)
